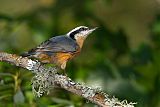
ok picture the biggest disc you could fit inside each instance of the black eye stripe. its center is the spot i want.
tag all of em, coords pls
(72, 35)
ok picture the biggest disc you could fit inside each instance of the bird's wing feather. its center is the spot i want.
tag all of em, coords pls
(56, 44)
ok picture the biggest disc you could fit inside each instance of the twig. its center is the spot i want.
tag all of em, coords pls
(47, 78)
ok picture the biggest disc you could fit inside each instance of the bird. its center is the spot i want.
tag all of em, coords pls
(59, 50)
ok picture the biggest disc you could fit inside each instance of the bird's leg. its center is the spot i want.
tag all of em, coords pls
(64, 72)
(63, 66)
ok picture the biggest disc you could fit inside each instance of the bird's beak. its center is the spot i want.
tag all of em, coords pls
(91, 30)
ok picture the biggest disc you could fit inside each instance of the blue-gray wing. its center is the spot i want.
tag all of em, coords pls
(56, 44)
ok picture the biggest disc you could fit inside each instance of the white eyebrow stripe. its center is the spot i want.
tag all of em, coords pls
(75, 29)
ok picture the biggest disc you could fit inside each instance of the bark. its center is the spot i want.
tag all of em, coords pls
(47, 77)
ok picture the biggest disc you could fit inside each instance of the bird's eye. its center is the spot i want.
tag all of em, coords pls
(81, 29)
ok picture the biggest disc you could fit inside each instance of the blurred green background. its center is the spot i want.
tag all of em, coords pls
(122, 57)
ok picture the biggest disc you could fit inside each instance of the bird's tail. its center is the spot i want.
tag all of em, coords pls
(30, 53)
(26, 54)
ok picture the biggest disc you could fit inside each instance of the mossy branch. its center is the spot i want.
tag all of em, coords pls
(47, 78)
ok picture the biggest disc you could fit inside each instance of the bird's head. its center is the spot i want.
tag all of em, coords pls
(79, 34)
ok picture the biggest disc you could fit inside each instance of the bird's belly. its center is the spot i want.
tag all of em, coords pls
(44, 58)
(57, 58)
(61, 58)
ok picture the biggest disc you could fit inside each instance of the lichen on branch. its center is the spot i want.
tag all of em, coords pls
(47, 78)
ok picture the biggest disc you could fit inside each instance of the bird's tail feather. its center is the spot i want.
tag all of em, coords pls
(27, 54)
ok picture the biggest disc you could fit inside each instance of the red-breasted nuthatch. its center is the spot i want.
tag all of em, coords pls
(60, 49)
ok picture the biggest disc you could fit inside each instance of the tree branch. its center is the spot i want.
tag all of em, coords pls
(46, 78)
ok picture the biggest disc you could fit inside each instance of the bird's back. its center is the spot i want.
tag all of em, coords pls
(54, 45)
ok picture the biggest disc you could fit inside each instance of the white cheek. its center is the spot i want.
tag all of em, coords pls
(76, 37)
(79, 36)
(84, 32)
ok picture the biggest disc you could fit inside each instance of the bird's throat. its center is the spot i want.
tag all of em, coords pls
(80, 41)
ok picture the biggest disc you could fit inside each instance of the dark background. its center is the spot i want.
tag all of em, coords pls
(122, 57)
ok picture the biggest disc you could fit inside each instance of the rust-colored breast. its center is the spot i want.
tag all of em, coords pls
(59, 59)
(55, 58)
